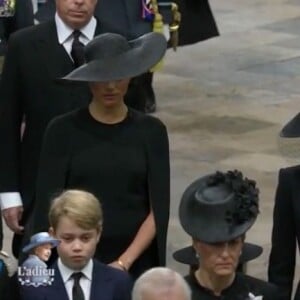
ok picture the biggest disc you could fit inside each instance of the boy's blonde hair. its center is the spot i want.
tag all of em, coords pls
(80, 206)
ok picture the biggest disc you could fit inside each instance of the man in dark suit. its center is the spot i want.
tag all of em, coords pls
(286, 232)
(29, 90)
(197, 25)
(286, 222)
(11, 20)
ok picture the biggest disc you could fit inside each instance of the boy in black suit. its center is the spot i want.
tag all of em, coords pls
(76, 220)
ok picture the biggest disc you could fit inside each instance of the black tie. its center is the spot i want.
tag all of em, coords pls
(77, 52)
(77, 292)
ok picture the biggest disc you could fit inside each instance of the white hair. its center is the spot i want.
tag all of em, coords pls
(160, 280)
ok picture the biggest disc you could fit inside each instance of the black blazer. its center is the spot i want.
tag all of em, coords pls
(107, 284)
(29, 90)
(286, 231)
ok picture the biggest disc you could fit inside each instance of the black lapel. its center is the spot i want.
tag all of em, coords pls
(53, 55)
(100, 281)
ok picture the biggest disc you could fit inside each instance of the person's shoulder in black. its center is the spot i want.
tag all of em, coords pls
(242, 286)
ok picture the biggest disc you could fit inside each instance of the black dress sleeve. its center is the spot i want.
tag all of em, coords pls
(159, 182)
(52, 172)
(283, 251)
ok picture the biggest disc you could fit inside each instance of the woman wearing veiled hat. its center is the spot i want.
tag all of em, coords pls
(286, 222)
(216, 211)
(118, 154)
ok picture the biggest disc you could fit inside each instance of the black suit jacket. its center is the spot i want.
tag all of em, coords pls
(29, 90)
(286, 231)
(107, 284)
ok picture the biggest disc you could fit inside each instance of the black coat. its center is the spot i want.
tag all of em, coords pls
(239, 289)
(286, 231)
(197, 24)
(29, 89)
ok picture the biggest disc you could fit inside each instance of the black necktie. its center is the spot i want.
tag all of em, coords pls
(77, 292)
(77, 52)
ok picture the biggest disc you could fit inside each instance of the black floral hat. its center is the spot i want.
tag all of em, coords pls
(219, 207)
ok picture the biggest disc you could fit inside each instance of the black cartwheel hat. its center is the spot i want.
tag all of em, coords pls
(292, 128)
(219, 207)
(111, 56)
(187, 255)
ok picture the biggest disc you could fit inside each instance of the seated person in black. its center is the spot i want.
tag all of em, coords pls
(216, 211)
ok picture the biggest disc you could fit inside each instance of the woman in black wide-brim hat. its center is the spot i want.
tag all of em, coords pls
(118, 154)
(286, 221)
(216, 211)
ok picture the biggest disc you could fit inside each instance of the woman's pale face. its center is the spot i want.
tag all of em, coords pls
(111, 93)
(219, 259)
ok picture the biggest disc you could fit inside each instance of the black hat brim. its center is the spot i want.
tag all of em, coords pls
(292, 128)
(187, 255)
(144, 53)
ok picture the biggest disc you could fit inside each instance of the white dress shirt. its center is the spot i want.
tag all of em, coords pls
(85, 281)
(65, 38)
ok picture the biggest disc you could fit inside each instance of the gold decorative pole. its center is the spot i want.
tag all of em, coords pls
(174, 26)
(158, 26)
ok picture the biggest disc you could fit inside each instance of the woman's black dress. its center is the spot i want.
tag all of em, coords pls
(240, 289)
(125, 165)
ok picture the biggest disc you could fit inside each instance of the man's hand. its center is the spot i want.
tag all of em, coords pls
(12, 217)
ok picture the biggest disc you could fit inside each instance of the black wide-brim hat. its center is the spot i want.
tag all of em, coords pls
(187, 255)
(111, 57)
(292, 128)
(219, 207)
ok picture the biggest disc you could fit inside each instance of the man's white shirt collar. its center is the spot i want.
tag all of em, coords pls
(66, 272)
